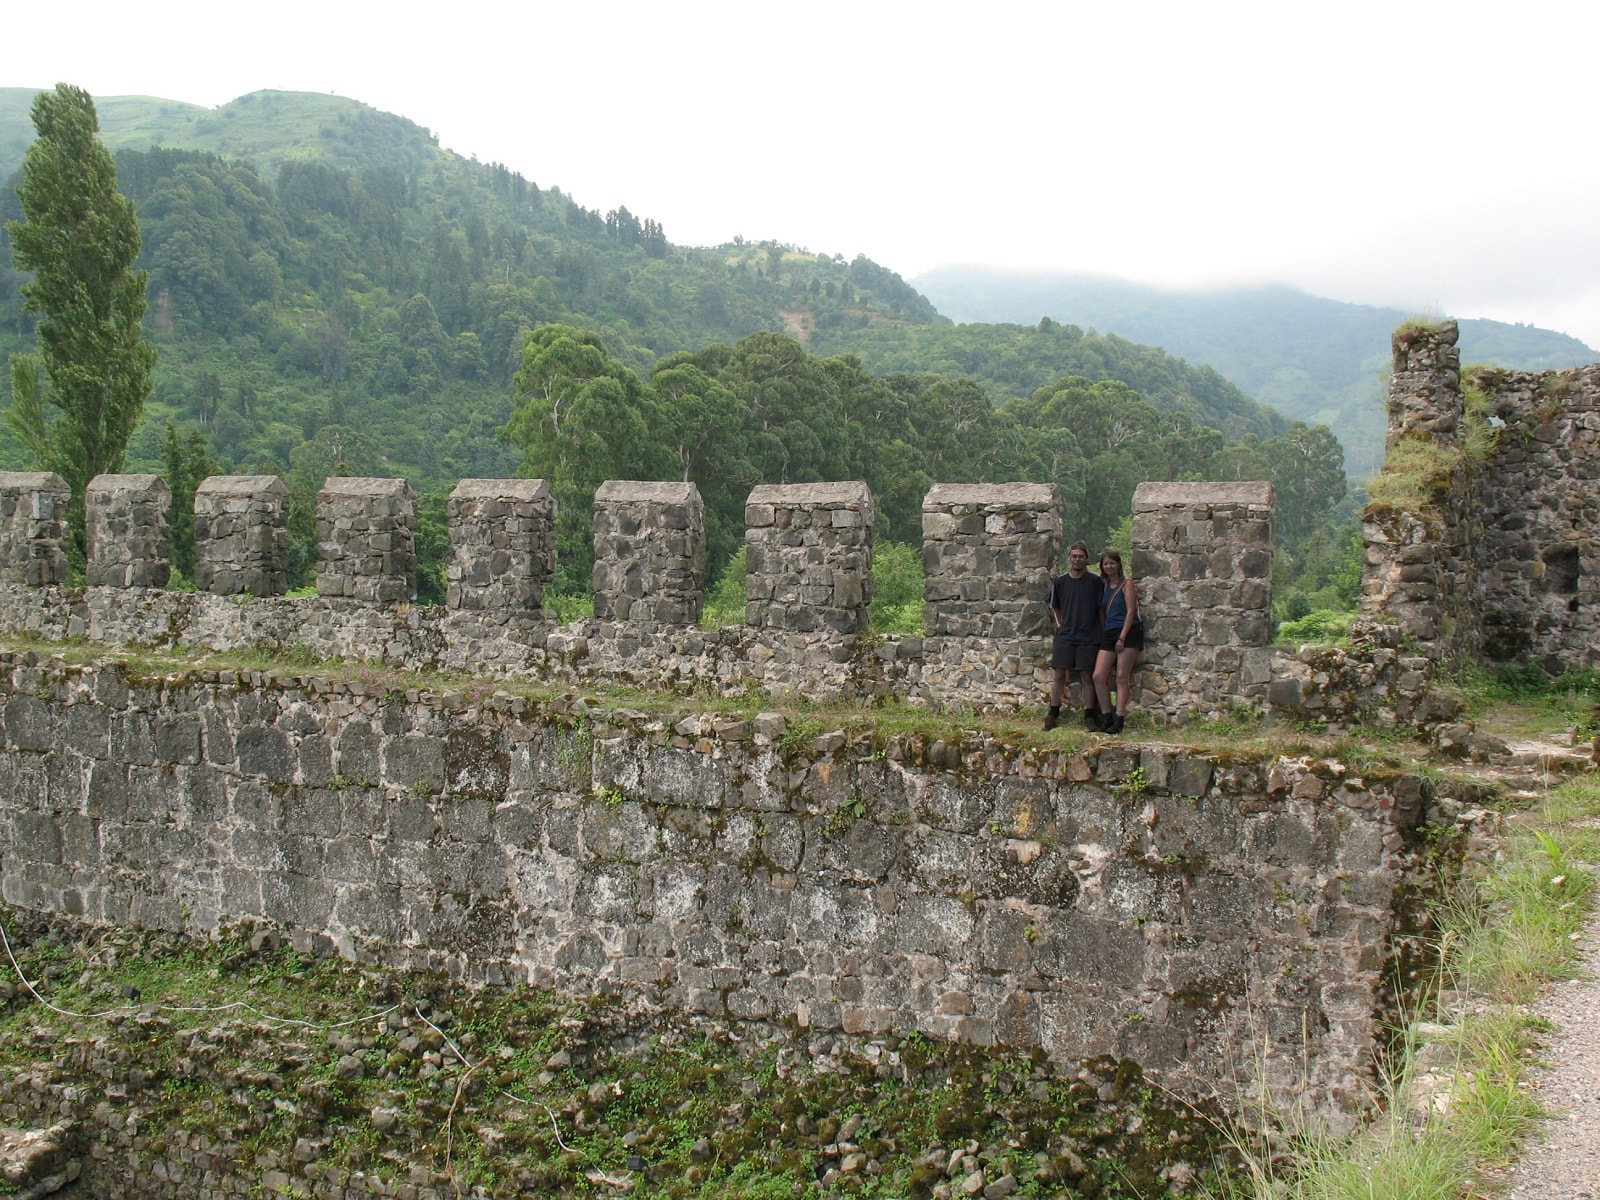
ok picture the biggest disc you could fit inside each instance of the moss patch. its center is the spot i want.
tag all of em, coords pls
(321, 1069)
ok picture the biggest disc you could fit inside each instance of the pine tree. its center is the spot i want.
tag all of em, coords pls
(79, 239)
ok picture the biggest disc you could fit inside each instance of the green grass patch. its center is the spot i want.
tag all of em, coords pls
(1415, 478)
(1480, 431)
(1527, 701)
(567, 607)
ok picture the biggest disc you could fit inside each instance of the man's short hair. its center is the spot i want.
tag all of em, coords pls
(1084, 546)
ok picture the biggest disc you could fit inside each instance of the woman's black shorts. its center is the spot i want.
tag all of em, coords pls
(1108, 640)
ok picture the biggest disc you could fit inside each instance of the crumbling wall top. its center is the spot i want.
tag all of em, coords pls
(1420, 346)
(1148, 497)
(501, 489)
(630, 491)
(241, 485)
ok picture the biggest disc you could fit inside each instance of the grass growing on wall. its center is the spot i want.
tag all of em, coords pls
(1526, 700)
(1415, 478)
(1480, 431)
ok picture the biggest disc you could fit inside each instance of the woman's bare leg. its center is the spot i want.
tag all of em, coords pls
(1102, 680)
(1126, 661)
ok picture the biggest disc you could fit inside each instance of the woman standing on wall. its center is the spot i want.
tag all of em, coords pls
(1121, 641)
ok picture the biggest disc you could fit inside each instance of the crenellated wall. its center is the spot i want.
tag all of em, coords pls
(989, 552)
(1179, 908)
(1203, 553)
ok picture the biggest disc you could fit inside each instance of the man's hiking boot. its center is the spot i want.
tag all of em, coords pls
(1052, 719)
(1091, 720)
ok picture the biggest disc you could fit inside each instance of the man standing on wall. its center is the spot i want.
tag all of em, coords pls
(1075, 608)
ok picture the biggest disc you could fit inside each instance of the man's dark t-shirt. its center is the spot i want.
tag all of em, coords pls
(1077, 601)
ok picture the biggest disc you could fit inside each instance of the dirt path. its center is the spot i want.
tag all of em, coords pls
(1564, 1164)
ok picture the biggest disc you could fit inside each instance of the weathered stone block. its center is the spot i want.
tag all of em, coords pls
(366, 532)
(805, 573)
(502, 545)
(241, 533)
(989, 551)
(125, 520)
(649, 553)
(33, 510)
(1202, 554)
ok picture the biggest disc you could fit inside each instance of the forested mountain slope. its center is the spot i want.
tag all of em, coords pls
(332, 292)
(1314, 360)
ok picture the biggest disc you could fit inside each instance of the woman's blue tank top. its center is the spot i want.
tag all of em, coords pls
(1115, 602)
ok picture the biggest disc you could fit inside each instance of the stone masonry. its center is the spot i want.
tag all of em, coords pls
(1425, 386)
(810, 569)
(125, 522)
(1498, 562)
(33, 528)
(502, 545)
(1413, 555)
(507, 527)
(649, 552)
(808, 563)
(241, 535)
(971, 888)
(1539, 515)
(1202, 554)
(988, 554)
(366, 540)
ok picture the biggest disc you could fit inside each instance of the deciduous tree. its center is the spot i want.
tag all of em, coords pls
(79, 239)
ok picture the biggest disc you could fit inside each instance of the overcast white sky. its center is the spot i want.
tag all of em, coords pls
(1435, 157)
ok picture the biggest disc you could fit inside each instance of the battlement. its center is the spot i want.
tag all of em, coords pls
(989, 552)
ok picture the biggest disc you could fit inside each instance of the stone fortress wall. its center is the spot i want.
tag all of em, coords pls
(1203, 554)
(1146, 900)
(1179, 908)
(1498, 562)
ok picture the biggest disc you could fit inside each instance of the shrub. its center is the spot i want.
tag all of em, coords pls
(1320, 625)
(897, 587)
(724, 603)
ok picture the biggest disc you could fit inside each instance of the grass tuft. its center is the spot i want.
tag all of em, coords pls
(1416, 478)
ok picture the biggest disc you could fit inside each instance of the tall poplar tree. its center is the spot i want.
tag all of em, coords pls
(79, 239)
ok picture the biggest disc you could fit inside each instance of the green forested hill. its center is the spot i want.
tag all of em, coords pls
(1017, 360)
(1314, 360)
(330, 291)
